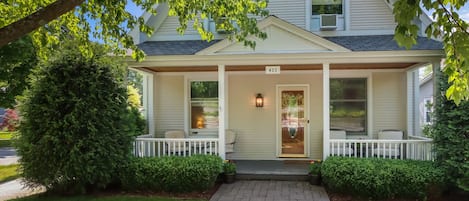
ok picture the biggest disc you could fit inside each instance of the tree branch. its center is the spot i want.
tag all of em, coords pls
(31, 22)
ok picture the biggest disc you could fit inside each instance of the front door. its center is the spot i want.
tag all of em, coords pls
(292, 120)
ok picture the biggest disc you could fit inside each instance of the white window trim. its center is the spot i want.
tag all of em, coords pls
(188, 78)
(369, 95)
(310, 13)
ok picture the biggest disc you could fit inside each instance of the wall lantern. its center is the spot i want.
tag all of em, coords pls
(259, 100)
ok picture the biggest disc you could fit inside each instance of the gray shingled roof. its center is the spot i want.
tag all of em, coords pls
(181, 47)
(382, 43)
(354, 43)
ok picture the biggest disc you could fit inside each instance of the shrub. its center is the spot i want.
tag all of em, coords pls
(171, 173)
(382, 178)
(450, 133)
(73, 127)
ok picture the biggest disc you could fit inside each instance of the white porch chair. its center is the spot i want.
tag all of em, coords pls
(389, 149)
(339, 148)
(175, 147)
(230, 140)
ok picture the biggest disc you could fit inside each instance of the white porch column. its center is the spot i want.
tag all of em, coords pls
(326, 105)
(436, 82)
(412, 102)
(148, 102)
(221, 110)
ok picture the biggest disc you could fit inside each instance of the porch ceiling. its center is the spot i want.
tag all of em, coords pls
(351, 66)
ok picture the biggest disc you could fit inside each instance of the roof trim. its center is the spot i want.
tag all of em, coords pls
(284, 25)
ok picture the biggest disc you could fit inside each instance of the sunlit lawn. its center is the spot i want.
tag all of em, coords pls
(5, 139)
(101, 198)
(8, 172)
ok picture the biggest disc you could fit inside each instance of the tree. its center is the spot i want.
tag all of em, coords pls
(50, 20)
(75, 128)
(450, 28)
(450, 133)
(17, 60)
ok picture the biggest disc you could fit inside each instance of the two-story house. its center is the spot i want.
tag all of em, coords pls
(326, 64)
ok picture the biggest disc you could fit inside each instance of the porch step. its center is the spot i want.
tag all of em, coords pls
(276, 177)
(281, 170)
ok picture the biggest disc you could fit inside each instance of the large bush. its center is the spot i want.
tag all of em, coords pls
(171, 174)
(382, 178)
(450, 133)
(74, 129)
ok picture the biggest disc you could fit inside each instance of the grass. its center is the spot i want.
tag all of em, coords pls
(8, 172)
(5, 139)
(100, 198)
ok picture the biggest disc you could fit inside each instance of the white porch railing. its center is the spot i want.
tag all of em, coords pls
(156, 147)
(417, 148)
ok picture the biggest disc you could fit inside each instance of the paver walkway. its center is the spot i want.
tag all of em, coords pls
(251, 190)
(15, 189)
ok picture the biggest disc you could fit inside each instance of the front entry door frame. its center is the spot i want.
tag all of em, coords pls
(305, 88)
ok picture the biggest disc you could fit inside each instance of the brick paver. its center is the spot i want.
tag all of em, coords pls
(252, 190)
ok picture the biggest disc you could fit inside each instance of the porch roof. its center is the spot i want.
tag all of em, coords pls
(354, 43)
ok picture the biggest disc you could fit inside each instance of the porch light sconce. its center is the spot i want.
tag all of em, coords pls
(259, 100)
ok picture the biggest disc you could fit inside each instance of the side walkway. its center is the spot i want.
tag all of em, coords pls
(252, 190)
(15, 189)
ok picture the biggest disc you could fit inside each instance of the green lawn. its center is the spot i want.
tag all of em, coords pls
(5, 139)
(8, 173)
(101, 198)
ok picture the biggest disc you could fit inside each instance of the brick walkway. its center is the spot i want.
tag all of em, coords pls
(251, 190)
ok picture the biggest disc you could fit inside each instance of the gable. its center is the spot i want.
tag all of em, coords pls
(282, 37)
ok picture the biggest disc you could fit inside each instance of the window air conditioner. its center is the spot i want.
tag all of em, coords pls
(328, 21)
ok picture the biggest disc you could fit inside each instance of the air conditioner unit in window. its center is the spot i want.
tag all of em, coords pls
(328, 21)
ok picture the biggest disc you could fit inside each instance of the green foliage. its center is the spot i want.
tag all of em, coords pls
(315, 167)
(114, 26)
(229, 167)
(382, 178)
(171, 174)
(450, 133)
(73, 127)
(101, 198)
(17, 59)
(447, 25)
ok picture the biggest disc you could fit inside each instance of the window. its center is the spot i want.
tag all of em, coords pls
(204, 104)
(428, 110)
(348, 109)
(327, 7)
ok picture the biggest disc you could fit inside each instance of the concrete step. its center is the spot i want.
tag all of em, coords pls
(274, 177)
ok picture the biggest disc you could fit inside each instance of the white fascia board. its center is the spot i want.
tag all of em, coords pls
(417, 56)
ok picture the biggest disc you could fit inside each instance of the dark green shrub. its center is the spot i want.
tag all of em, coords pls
(171, 174)
(74, 134)
(450, 133)
(382, 178)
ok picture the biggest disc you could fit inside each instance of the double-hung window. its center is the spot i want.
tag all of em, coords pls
(203, 106)
(327, 7)
(348, 108)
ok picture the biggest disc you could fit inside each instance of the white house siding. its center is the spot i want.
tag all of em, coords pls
(168, 103)
(389, 101)
(292, 11)
(167, 30)
(371, 15)
(256, 127)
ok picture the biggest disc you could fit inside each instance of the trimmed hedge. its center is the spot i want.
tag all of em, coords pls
(382, 178)
(171, 173)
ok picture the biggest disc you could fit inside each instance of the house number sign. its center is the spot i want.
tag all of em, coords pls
(272, 70)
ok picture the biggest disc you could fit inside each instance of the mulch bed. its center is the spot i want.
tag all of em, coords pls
(449, 196)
